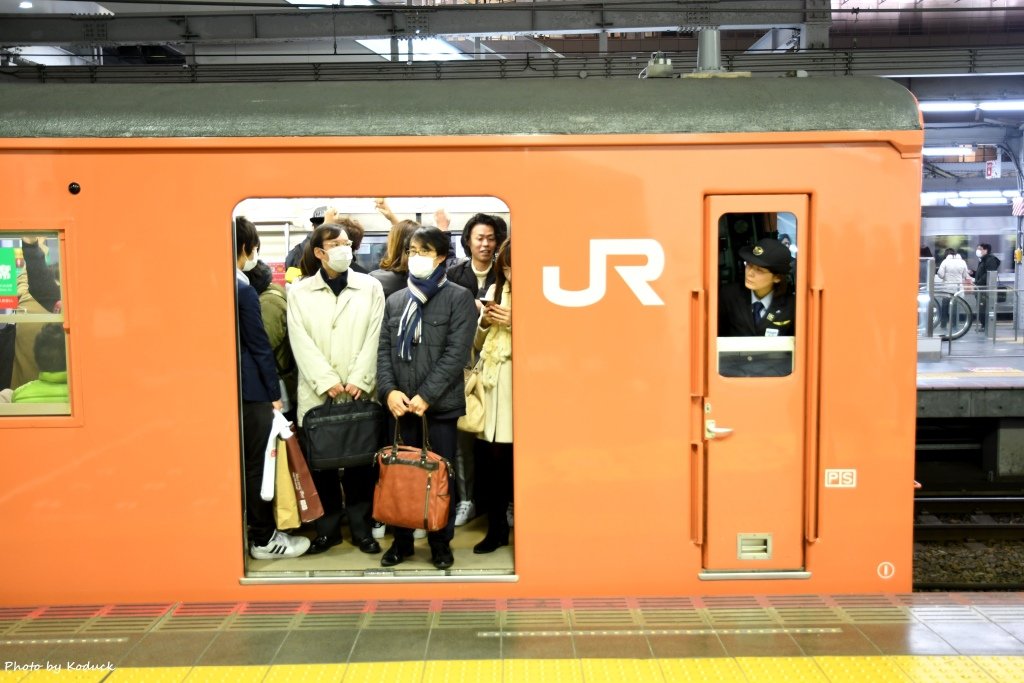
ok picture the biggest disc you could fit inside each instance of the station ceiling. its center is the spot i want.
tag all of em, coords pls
(963, 52)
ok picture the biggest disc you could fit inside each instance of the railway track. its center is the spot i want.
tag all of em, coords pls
(968, 517)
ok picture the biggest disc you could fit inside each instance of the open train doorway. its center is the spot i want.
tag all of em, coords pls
(323, 336)
(755, 413)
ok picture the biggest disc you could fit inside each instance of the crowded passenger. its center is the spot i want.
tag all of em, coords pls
(334, 324)
(294, 257)
(425, 343)
(355, 231)
(394, 271)
(274, 309)
(37, 280)
(481, 236)
(51, 358)
(261, 395)
(43, 283)
(494, 343)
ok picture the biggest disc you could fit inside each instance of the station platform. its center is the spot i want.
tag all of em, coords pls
(973, 376)
(911, 638)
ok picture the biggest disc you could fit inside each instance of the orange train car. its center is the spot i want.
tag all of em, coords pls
(653, 455)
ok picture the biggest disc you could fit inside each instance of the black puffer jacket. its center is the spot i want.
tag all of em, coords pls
(985, 264)
(435, 371)
(462, 273)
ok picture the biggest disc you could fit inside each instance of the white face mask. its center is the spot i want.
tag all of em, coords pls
(339, 259)
(980, 253)
(250, 262)
(421, 266)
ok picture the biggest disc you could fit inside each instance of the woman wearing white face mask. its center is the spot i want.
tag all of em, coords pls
(424, 345)
(334, 319)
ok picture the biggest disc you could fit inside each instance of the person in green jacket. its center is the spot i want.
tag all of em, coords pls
(51, 357)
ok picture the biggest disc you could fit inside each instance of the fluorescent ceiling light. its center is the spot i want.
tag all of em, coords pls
(940, 195)
(1002, 105)
(981, 193)
(988, 200)
(948, 151)
(1011, 193)
(958, 202)
(25, 4)
(423, 49)
(947, 106)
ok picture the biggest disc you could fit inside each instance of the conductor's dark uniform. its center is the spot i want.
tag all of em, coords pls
(736, 317)
(741, 314)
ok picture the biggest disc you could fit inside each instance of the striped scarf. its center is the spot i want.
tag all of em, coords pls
(410, 325)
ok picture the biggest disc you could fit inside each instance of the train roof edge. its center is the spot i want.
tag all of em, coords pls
(455, 107)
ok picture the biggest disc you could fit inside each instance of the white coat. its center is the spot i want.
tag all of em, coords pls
(952, 274)
(334, 338)
(497, 396)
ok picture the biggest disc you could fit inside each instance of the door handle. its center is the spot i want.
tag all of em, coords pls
(713, 432)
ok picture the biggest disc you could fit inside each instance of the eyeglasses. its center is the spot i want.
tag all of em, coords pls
(413, 251)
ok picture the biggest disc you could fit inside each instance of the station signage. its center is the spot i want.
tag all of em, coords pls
(8, 278)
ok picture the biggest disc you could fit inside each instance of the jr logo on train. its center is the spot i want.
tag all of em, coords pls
(635, 277)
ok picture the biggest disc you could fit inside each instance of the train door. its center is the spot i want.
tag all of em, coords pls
(754, 407)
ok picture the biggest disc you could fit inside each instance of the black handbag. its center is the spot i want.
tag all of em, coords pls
(343, 434)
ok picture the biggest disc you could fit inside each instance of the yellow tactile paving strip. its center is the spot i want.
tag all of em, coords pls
(898, 669)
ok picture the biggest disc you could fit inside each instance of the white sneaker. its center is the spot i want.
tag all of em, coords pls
(378, 529)
(508, 516)
(419, 533)
(464, 512)
(280, 546)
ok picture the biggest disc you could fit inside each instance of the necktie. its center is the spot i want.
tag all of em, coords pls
(757, 309)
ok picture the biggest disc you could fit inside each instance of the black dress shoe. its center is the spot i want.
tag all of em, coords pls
(322, 543)
(369, 545)
(490, 544)
(441, 555)
(395, 555)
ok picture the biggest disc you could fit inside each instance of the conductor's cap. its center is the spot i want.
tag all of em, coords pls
(768, 253)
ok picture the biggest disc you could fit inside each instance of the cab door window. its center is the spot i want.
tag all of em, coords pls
(756, 300)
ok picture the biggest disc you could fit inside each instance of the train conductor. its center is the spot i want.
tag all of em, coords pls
(763, 305)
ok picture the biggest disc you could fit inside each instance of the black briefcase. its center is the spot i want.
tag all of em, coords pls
(343, 434)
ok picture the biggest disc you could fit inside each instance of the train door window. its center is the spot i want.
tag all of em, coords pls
(33, 337)
(756, 302)
(308, 353)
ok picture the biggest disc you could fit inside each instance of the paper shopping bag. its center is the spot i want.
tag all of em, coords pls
(286, 508)
(306, 496)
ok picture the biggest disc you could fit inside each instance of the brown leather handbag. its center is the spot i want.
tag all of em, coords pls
(412, 490)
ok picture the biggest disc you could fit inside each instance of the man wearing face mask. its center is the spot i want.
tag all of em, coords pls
(334, 320)
(986, 262)
(425, 340)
